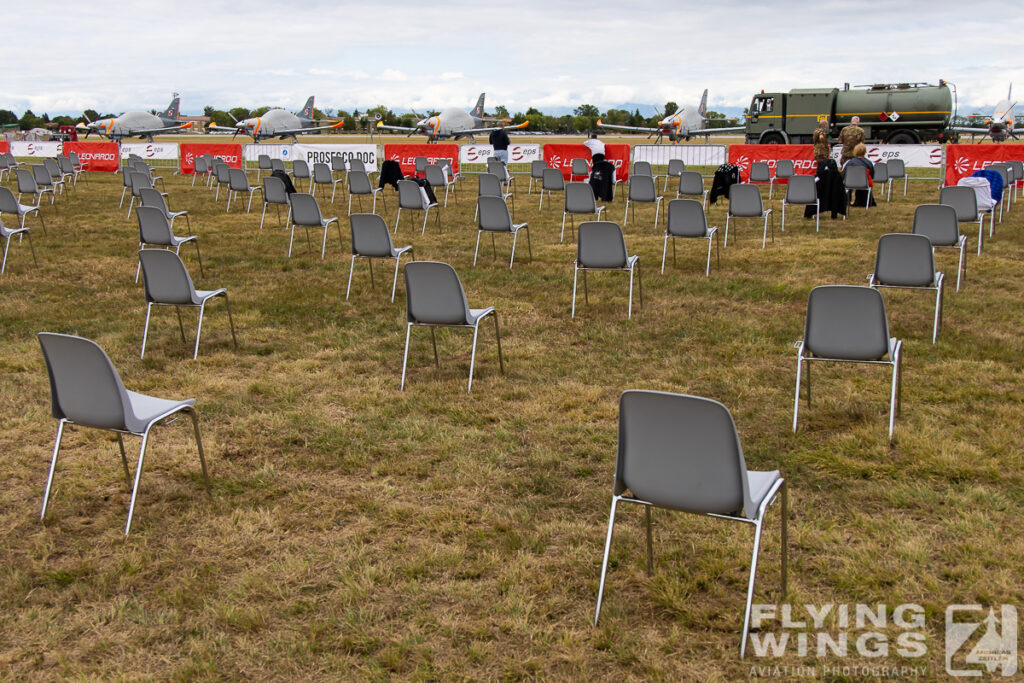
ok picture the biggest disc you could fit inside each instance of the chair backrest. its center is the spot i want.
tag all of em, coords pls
(356, 165)
(27, 181)
(904, 260)
(300, 169)
(4, 161)
(681, 452)
(1018, 169)
(8, 202)
(359, 182)
(580, 167)
(420, 164)
(848, 322)
(200, 165)
(784, 168)
(223, 172)
(322, 173)
(277, 165)
(553, 180)
(166, 278)
(691, 182)
(409, 195)
(686, 218)
(42, 176)
(537, 167)
(494, 214)
(370, 236)
(641, 188)
(601, 245)
(938, 223)
(855, 177)
(676, 167)
(579, 198)
(436, 176)
(74, 158)
(642, 168)
(239, 182)
(495, 166)
(305, 210)
(274, 191)
(881, 173)
(488, 185)
(760, 172)
(963, 200)
(263, 162)
(84, 386)
(153, 226)
(65, 165)
(52, 168)
(745, 200)
(801, 189)
(896, 168)
(434, 294)
(138, 181)
(152, 197)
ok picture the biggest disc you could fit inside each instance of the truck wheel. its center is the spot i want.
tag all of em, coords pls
(773, 139)
(903, 137)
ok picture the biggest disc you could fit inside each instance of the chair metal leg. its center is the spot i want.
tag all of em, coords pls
(231, 320)
(145, 330)
(707, 268)
(398, 217)
(373, 284)
(405, 357)
(200, 256)
(938, 310)
(895, 391)
(53, 467)
(529, 245)
(796, 400)
(124, 460)
(199, 330)
(477, 250)
(650, 542)
(604, 561)
(785, 538)
(263, 215)
(515, 236)
(433, 342)
(575, 274)
(351, 268)
(472, 356)
(664, 251)
(758, 525)
(394, 282)
(727, 216)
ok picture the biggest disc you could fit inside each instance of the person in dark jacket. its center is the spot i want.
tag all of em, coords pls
(500, 142)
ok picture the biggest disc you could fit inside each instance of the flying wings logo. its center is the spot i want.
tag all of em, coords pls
(744, 163)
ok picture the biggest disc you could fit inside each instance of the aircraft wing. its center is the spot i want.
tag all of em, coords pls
(407, 129)
(160, 131)
(478, 131)
(971, 129)
(225, 129)
(639, 129)
(300, 131)
(710, 131)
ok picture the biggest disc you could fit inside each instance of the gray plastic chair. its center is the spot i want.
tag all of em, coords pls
(306, 212)
(222, 176)
(784, 170)
(683, 453)
(420, 164)
(435, 298)
(168, 284)
(10, 205)
(200, 167)
(494, 218)
(412, 199)
(142, 167)
(239, 183)
(801, 190)
(155, 231)
(86, 390)
(438, 178)
(880, 176)
(27, 185)
(5, 166)
(551, 181)
(150, 196)
(760, 172)
(856, 178)
(1018, 174)
(691, 184)
(938, 223)
(906, 261)
(602, 247)
(137, 182)
(537, 167)
(489, 185)
(211, 168)
(277, 165)
(357, 165)
(370, 240)
(897, 169)
(359, 186)
(579, 167)
(579, 200)
(263, 164)
(496, 167)
(68, 170)
(644, 168)
(58, 177)
(686, 219)
(1005, 173)
(274, 193)
(745, 202)
(322, 177)
(965, 202)
(79, 165)
(45, 182)
(7, 234)
(676, 167)
(642, 190)
(300, 171)
(848, 324)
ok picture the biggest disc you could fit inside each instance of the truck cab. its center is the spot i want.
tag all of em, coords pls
(777, 118)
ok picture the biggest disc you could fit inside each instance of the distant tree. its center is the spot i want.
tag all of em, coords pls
(208, 110)
(91, 114)
(582, 124)
(259, 111)
(501, 111)
(538, 122)
(586, 110)
(317, 114)
(217, 116)
(29, 120)
(618, 117)
(63, 120)
(7, 117)
(637, 119)
(670, 108)
(329, 112)
(350, 123)
(240, 113)
(533, 111)
(408, 121)
(432, 112)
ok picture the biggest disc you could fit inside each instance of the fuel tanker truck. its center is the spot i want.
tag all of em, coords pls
(895, 113)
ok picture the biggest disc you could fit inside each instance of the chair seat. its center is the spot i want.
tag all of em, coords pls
(760, 483)
(146, 408)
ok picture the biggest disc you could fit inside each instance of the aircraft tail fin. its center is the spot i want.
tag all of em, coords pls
(172, 109)
(478, 110)
(307, 110)
(703, 108)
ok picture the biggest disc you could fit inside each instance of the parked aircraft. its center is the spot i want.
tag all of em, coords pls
(452, 123)
(140, 123)
(277, 123)
(687, 122)
(1000, 125)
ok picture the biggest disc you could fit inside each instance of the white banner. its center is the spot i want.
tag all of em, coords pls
(913, 156)
(691, 155)
(150, 150)
(517, 153)
(313, 154)
(253, 151)
(22, 148)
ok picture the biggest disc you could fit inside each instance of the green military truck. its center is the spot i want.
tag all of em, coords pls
(895, 113)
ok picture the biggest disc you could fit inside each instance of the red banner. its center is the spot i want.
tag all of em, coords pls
(101, 156)
(963, 160)
(4, 147)
(230, 153)
(405, 154)
(801, 155)
(560, 155)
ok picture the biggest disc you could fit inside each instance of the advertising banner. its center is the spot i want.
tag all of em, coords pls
(230, 153)
(24, 148)
(561, 156)
(691, 155)
(801, 155)
(913, 156)
(253, 151)
(313, 154)
(4, 147)
(517, 154)
(963, 160)
(150, 150)
(405, 154)
(101, 156)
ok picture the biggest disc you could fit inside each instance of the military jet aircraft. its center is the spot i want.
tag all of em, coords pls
(277, 123)
(137, 123)
(452, 123)
(687, 122)
(1000, 125)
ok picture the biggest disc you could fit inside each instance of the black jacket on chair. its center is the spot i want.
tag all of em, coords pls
(726, 176)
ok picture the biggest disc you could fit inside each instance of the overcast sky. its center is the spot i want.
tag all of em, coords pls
(67, 56)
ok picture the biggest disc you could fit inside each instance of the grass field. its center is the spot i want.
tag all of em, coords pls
(356, 532)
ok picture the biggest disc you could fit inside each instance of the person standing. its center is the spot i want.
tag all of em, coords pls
(851, 136)
(821, 143)
(596, 147)
(500, 142)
